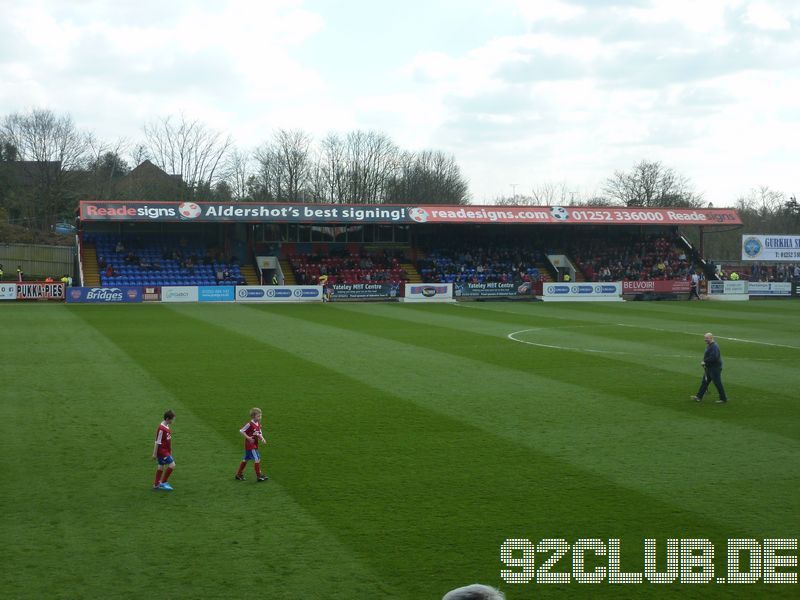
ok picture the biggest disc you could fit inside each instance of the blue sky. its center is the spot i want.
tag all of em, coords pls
(522, 92)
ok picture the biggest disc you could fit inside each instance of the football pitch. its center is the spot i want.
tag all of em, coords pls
(406, 443)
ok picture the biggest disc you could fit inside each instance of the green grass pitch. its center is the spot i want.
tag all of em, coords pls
(406, 443)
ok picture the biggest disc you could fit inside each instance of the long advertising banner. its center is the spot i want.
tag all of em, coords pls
(258, 212)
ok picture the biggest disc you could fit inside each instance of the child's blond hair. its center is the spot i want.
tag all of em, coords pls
(255, 411)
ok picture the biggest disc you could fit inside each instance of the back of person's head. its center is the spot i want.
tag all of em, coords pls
(476, 591)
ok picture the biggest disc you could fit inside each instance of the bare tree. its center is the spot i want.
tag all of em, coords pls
(361, 167)
(266, 183)
(238, 170)
(138, 154)
(187, 148)
(49, 149)
(545, 194)
(792, 209)
(292, 149)
(369, 164)
(330, 177)
(104, 167)
(429, 177)
(284, 166)
(356, 168)
(762, 200)
(651, 184)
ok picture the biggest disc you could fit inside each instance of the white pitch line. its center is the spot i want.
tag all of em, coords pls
(733, 339)
(512, 338)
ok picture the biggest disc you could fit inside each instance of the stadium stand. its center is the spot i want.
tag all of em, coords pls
(350, 265)
(481, 265)
(630, 257)
(160, 261)
(777, 272)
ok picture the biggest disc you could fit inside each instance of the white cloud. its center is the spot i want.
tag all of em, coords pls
(534, 11)
(703, 16)
(765, 16)
(554, 90)
(206, 62)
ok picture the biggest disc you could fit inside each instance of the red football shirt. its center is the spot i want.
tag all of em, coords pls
(252, 429)
(164, 440)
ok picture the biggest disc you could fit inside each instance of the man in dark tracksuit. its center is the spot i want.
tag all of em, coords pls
(712, 363)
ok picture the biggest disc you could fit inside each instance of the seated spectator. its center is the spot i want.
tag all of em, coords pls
(101, 262)
(110, 271)
(120, 248)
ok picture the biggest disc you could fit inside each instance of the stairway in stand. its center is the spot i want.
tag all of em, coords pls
(250, 275)
(91, 271)
(544, 272)
(411, 272)
(288, 274)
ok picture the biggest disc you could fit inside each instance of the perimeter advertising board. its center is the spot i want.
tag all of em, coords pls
(491, 290)
(278, 293)
(728, 287)
(770, 288)
(151, 293)
(104, 295)
(428, 292)
(363, 291)
(39, 290)
(219, 293)
(572, 292)
(8, 291)
(773, 248)
(657, 287)
(179, 293)
(728, 290)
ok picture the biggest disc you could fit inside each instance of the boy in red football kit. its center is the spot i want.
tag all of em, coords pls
(252, 433)
(162, 452)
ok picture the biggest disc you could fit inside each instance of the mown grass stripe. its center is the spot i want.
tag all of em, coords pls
(668, 383)
(571, 423)
(441, 459)
(83, 508)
